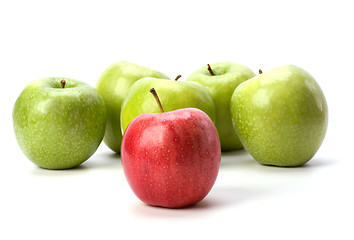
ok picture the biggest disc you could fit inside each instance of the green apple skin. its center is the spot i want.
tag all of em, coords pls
(173, 95)
(59, 128)
(113, 85)
(228, 75)
(280, 116)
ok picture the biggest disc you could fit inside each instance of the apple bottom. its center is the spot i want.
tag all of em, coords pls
(171, 159)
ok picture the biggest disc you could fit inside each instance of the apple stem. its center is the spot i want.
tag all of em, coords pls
(260, 71)
(210, 70)
(178, 77)
(63, 82)
(154, 93)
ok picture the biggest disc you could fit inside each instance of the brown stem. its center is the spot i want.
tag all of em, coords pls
(153, 91)
(178, 77)
(63, 82)
(260, 71)
(210, 70)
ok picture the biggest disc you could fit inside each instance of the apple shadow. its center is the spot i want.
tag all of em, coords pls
(243, 158)
(42, 172)
(224, 196)
(312, 165)
(219, 197)
(103, 160)
(141, 209)
(320, 162)
(237, 157)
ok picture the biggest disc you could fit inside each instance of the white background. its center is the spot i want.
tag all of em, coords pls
(79, 39)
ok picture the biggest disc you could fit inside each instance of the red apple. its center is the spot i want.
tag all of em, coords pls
(171, 159)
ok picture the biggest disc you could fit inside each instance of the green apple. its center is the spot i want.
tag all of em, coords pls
(280, 116)
(113, 85)
(221, 79)
(173, 94)
(59, 122)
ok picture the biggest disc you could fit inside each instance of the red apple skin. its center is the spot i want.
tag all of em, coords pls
(171, 159)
